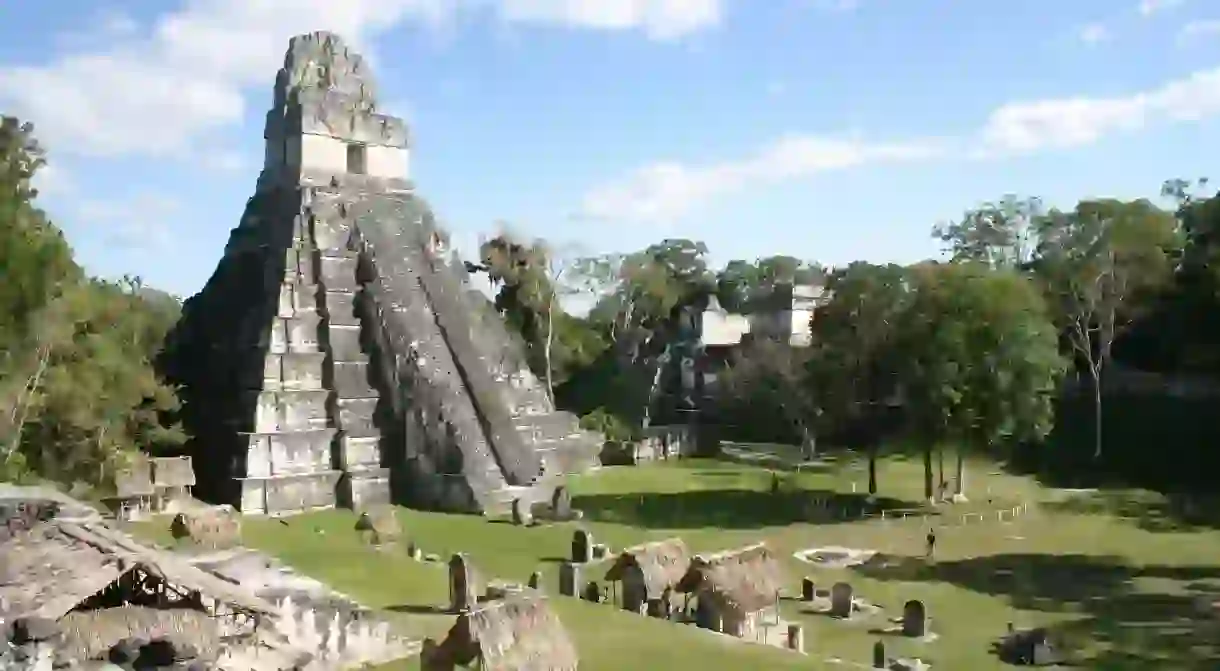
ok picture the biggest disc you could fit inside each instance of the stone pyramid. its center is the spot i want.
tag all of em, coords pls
(338, 355)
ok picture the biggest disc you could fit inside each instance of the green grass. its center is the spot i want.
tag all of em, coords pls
(1123, 593)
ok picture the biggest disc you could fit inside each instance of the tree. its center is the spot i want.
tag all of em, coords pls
(853, 338)
(980, 362)
(769, 381)
(78, 394)
(742, 284)
(1101, 263)
(998, 234)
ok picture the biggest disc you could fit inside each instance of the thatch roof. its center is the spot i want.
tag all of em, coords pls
(51, 568)
(89, 634)
(517, 633)
(173, 472)
(747, 579)
(662, 563)
(135, 480)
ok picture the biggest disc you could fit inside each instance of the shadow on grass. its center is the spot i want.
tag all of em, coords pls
(1148, 510)
(731, 508)
(1122, 628)
(418, 609)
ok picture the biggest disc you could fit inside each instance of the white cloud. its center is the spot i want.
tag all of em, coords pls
(1150, 7)
(1070, 122)
(838, 5)
(158, 92)
(666, 191)
(225, 160)
(1199, 29)
(140, 221)
(659, 19)
(52, 181)
(1094, 33)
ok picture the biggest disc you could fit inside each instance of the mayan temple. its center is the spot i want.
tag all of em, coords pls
(338, 355)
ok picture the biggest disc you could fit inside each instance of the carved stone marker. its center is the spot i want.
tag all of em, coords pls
(879, 655)
(840, 599)
(593, 592)
(582, 546)
(561, 503)
(808, 589)
(796, 637)
(522, 515)
(569, 577)
(535, 581)
(914, 619)
(463, 592)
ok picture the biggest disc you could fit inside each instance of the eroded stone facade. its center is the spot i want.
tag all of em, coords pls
(338, 355)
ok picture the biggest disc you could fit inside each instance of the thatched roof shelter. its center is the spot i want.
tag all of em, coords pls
(50, 569)
(89, 634)
(517, 633)
(747, 580)
(172, 472)
(661, 563)
(135, 480)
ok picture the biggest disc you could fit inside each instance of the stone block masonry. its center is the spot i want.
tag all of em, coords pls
(337, 356)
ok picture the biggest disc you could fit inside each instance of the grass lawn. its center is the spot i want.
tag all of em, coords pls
(1126, 595)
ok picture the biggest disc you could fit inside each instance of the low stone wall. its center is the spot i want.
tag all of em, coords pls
(658, 444)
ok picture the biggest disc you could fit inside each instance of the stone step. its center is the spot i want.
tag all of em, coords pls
(357, 452)
(337, 270)
(349, 379)
(340, 308)
(291, 371)
(354, 416)
(297, 297)
(332, 229)
(345, 343)
(287, 453)
(295, 334)
(361, 488)
(288, 493)
(285, 410)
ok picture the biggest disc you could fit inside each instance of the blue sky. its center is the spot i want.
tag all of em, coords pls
(827, 129)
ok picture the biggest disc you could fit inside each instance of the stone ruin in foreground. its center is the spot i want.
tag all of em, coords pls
(338, 354)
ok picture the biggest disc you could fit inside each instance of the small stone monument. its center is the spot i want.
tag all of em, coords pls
(561, 503)
(796, 637)
(522, 515)
(463, 592)
(569, 577)
(535, 581)
(600, 550)
(879, 655)
(808, 589)
(593, 592)
(914, 619)
(582, 546)
(841, 600)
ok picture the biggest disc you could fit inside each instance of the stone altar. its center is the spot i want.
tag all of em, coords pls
(338, 355)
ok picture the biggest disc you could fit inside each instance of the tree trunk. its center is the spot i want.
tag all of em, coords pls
(550, 336)
(940, 472)
(872, 470)
(23, 402)
(928, 492)
(1097, 420)
(959, 493)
